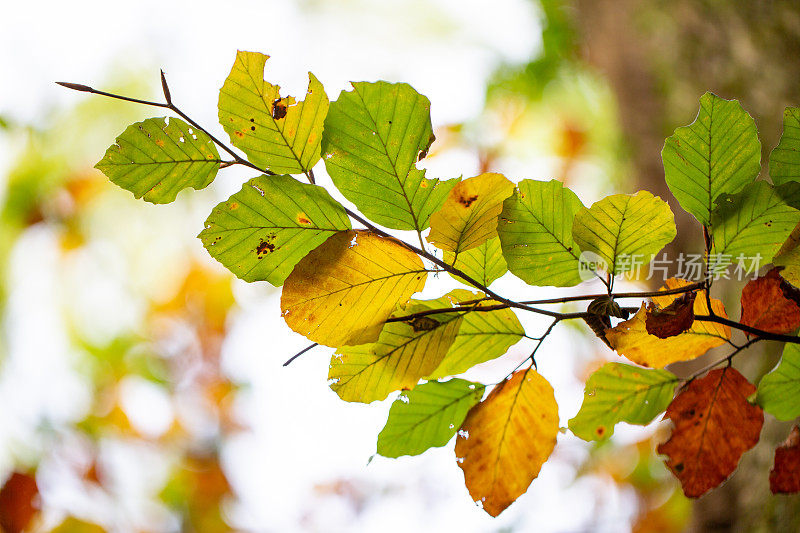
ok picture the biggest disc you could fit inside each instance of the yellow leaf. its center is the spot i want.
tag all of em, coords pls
(468, 217)
(342, 292)
(630, 338)
(506, 439)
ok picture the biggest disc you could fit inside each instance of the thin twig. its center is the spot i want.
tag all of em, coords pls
(301, 352)
(725, 359)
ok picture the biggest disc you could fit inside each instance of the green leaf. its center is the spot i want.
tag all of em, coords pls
(427, 416)
(535, 231)
(717, 153)
(621, 393)
(753, 223)
(276, 133)
(483, 336)
(374, 135)
(484, 263)
(779, 391)
(623, 228)
(468, 216)
(261, 232)
(404, 353)
(159, 157)
(784, 161)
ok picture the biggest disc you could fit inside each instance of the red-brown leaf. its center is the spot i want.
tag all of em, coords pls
(673, 320)
(18, 503)
(714, 426)
(784, 478)
(767, 304)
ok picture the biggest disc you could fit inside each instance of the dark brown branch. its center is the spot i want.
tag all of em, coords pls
(647, 294)
(766, 335)
(727, 359)
(301, 352)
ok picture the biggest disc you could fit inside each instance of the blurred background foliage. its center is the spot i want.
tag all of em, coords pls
(122, 428)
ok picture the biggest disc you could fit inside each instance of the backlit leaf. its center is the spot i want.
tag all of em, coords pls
(159, 157)
(779, 391)
(752, 223)
(343, 291)
(404, 353)
(468, 216)
(766, 305)
(506, 439)
(483, 336)
(784, 161)
(630, 338)
(484, 263)
(427, 416)
(717, 153)
(263, 230)
(621, 393)
(374, 136)
(622, 227)
(535, 229)
(784, 478)
(672, 320)
(275, 132)
(714, 425)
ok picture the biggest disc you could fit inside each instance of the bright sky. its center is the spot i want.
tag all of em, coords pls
(302, 433)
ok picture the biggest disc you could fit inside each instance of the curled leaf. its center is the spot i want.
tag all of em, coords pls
(673, 320)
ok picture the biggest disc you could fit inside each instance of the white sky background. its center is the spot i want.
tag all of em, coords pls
(302, 433)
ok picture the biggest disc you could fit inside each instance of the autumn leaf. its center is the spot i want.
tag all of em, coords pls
(276, 133)
(765, 304)
(404, 353)
(784, 478)
(631, 339)
(427, 416)
(18, 502)
(506, 439)
(673, 320)
(621, 393)
(714, 426)
(779, 391)
(468, 216)
(342, 292)
(157, 158)
(484, 263)
(75, 525)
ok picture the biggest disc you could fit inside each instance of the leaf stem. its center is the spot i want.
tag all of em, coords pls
(301, 352)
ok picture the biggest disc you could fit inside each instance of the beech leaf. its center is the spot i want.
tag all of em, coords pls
(784, 478)
(262, 231)
(621, 393)
(276, 133)
(765, 304)
(714, 425)
(631, 339)
(484, 263)
(779, 391)
(784, 161)
(427, 416)
(159, 157)
(717, 153)
(468, 216)
(672, 320)
(506, 439)
(342, 292)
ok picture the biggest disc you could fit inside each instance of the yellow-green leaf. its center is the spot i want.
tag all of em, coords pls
(484, 263)
(427, 416)
(784, 161)
(159, 157)
(374, 136)
(624, 228)
(404, 353)
(468, 217)
(263, 230)
(506, 439)
(779, 391)
(631, 339)
(275, 132)
(621, 393)
(342, 292)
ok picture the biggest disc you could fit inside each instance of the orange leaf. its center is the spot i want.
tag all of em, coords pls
(714, 426)
(631, 339)
(767, 304)
(17, 502)
(506, 439)
(673, 320)
(784, 478)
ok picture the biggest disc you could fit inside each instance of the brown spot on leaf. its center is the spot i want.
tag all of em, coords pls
(233, 206)
(423, 323)
(279, 108)
(264, 247)
(303, 220)
(238, 133)
(467, 201)
(160, 142)
(600, 431)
